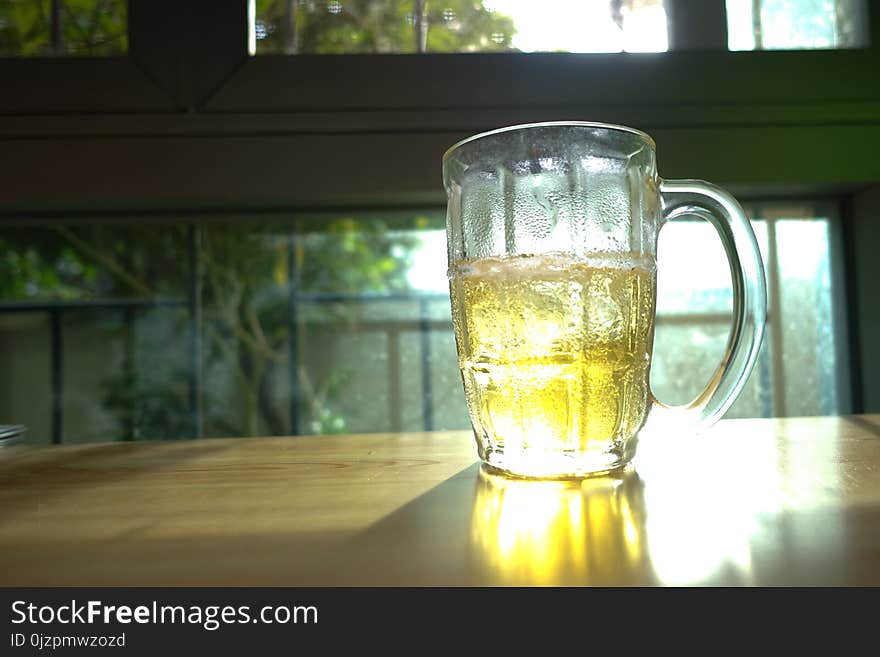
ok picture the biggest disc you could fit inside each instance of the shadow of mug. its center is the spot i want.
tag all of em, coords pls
(547, 533)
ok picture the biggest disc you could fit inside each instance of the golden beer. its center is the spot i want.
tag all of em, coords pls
(555, 354)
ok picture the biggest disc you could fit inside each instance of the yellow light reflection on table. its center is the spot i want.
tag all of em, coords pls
(549, 532)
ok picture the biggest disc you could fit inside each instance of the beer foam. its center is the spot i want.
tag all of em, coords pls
(527, 265)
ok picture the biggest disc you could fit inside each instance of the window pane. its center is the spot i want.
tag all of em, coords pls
(25, 388)
(410, 26)
(807, 329)
(694, 304)
(132, 330)
(38, 28)
(102, 313)
(125, 374)
(796, 24)
(373, 326)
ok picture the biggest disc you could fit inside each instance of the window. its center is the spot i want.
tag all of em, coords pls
(134, 326)
(414, 26)
(340, 323)
(35, 28)
(795, 24)
(256, 327)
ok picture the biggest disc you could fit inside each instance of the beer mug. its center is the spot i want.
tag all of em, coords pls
(552, 242)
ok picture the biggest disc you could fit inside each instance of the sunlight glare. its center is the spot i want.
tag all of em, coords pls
(583, 26)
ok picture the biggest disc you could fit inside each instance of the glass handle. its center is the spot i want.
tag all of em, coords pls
(700, 199)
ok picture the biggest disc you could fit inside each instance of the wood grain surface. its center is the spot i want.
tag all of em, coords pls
(753, 502)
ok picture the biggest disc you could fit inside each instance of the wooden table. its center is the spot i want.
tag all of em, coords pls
(754, 502)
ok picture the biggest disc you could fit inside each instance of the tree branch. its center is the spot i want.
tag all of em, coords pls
(102, 258)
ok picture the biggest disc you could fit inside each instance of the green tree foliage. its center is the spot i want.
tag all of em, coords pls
(87, 27)
(380, 26)
(81, 262)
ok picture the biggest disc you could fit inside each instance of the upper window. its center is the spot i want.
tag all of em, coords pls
(41, 28)
(319, 27)
(795, 24)
(417, 26)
